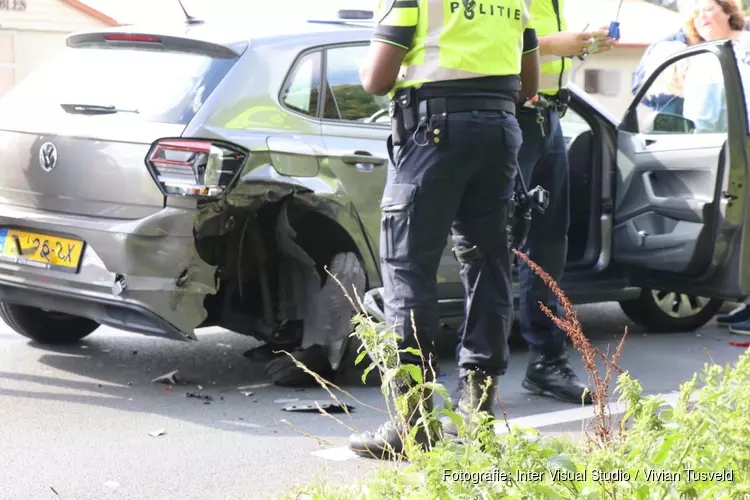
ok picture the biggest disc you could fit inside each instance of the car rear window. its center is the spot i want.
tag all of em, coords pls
(161, 86)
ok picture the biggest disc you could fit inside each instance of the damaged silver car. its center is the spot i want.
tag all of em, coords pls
(160, 181)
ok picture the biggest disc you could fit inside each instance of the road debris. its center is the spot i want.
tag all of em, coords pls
(253, 386)
(312, 405)
(286, 400)
(739, 344)
(247, 394)
(157, 433)
(112, 484)
(170, 378)
(196, 395)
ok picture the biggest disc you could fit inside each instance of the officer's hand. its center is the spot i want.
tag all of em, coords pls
(603, 41)
(570, 44)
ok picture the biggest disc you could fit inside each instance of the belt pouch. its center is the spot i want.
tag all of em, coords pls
(398, 132)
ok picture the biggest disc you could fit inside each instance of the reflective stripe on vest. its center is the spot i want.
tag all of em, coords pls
(429, 68)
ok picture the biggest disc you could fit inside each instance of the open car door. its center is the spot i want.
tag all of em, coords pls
(682, 162)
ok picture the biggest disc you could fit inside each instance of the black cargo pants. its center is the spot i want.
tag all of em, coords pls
(462, 185)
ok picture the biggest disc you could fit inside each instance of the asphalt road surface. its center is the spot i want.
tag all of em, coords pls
(79, 419)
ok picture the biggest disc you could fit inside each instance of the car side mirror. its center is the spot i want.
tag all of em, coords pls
(670, 123)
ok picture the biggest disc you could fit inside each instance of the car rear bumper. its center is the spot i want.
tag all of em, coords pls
(165, 281)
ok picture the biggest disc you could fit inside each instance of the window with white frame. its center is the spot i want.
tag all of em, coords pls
(604, 82)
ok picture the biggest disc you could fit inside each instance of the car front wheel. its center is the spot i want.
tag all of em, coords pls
(661, 311)
(329, 360)
(46, 327)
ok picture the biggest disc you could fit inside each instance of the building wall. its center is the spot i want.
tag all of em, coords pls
(35, 32)
(608, 77)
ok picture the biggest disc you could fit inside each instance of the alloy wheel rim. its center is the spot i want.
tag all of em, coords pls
(679, 305)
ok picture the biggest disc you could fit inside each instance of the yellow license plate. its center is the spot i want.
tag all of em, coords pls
(40, 250)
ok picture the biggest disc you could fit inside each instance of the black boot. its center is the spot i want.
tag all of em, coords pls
(477, 394)
(553, 376)
(386, 442)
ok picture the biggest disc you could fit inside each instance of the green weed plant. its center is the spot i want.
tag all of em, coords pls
(695, 448)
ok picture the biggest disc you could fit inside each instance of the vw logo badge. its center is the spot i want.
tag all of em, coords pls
(48, 156)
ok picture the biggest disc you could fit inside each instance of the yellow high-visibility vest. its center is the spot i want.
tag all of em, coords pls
(554, 69)
(456, 40)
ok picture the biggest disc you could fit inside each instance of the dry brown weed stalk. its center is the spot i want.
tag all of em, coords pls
(572, 327)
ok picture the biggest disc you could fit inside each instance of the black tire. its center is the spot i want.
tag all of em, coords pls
(658, 312)
(46, 327)
(348, 270)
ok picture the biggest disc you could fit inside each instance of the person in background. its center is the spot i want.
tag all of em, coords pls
(657, 52)
(715, 20)
(704, 99)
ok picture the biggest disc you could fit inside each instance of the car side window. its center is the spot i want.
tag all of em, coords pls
(350, 101)
(302, 88)
(687, 97)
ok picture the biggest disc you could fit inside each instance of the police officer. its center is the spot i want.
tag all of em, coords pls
(544, 161)
(453, 115)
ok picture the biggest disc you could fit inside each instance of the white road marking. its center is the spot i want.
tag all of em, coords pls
(574, 414)
(242, 424)
(537, 421)
(340, 454)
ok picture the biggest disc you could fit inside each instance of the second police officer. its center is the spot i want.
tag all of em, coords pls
(453, 113)
(544, 161)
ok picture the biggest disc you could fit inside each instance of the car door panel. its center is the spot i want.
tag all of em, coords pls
(355, 137)
(665, 191)
(677, 226)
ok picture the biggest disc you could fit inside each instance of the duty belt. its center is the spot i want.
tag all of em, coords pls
(543, 101)
(441, 105)
(412, 109)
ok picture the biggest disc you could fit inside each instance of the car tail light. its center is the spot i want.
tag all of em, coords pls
(127, 37)
(188, 167)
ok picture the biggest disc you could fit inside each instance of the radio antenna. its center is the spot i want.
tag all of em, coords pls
(190, 19)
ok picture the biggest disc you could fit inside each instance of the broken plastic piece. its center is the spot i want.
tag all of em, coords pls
(313, 405)
(112, 484)
(286, 400)
(248, 393)
(253, 386)
(157, 433)
(168, 378)
(119, 285)
(195, 395)
(739, 344)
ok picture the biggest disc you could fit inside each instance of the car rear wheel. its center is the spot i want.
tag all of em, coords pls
(46, 327)
(661, 311)
(282, 370)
